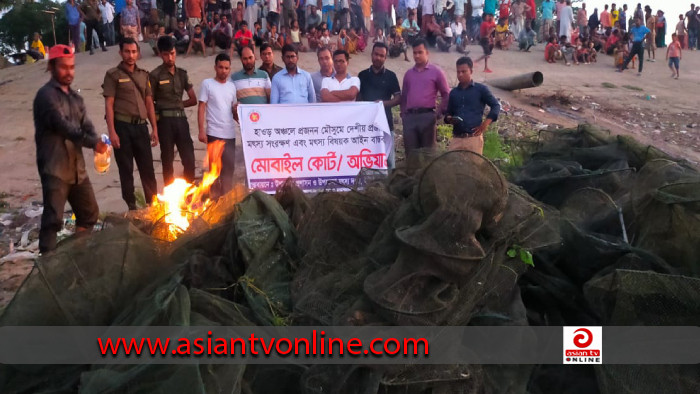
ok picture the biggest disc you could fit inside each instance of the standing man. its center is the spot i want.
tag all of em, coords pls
(170, 14)
(325, 61)
(377, 83)
(639, 32)
(465, 110)
(62, 128)
(288, 13)
(252, 85)
(73, 19)
(168, 83)
(582, 21)
(194, 9)
(217, 104)
(341, 86)
(547, 18)
(475, 22)
(421, 85)
(292, 85)
(382, 15)
(614, 14)
(606, 19)
(623, 17)
(130, 21)
(251, 12)
(107, 12)
(268, 60)
(428, 15)
(693, 27)
(273, 14)
(93, 19)
(128, 103)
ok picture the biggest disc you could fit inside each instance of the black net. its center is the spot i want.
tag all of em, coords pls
(593, 230)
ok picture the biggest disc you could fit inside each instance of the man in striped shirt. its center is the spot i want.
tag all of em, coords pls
(252, 85)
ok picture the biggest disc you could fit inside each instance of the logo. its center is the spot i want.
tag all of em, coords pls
(583, 345)
(254, 117)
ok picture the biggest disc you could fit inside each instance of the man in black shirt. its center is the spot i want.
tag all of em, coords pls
(377, 83)
(62, 129)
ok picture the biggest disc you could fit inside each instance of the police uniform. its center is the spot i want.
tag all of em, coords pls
(173, 128)
(130, 91)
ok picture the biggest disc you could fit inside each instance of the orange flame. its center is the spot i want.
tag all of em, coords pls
(182, 201)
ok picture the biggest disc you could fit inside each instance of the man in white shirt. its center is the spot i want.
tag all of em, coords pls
(341, 86)
(325, 61)
(475, 23)
(107, 11)
(217, 105)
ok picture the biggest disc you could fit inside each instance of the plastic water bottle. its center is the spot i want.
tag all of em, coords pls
(102, 160)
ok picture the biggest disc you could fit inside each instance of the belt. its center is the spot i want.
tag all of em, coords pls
(129, 119)
(419, 110)
(172, 113)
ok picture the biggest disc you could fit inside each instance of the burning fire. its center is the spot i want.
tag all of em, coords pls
(181, 201)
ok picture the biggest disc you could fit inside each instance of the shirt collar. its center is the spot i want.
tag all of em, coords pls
(122, 67)
(381, 71)
(427, 67)
(53, 83)
(471, 84)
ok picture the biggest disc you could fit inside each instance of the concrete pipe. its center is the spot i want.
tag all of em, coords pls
(524, 81)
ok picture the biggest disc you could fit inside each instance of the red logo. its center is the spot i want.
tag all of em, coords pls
(254, 117)
(583, 339)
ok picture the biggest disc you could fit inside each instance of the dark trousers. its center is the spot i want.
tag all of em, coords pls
(56, 192)
(74, 32)
(174, 132)
(135, 144)
(637, 49)
(224, 183)
(90, 26)
(419, 131)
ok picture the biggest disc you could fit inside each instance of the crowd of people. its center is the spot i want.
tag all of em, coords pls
(333, 30)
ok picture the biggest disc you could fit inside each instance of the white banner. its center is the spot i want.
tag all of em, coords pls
(313, 143)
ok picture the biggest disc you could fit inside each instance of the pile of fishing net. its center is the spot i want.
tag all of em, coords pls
(611, 227)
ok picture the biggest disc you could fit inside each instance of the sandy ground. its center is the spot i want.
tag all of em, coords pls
(672, 105)
(654, 108)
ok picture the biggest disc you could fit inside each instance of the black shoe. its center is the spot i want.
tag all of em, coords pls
(92, 52)
(104, 49)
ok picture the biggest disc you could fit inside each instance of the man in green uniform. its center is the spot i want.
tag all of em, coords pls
(168, 83)
(128, 103)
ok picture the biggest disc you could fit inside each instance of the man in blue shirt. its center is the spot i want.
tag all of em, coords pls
(292, 85)
(638, 32)
(465, 110)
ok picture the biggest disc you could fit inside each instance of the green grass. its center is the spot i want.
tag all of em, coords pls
(630, 87)
(140, 199)
(493, 146)
(609, 85)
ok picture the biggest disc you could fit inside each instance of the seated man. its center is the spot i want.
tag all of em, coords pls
(182, 37)
(36, 49)
(197, 42)
(222, 35)
(526, 39)
(244, 37)
(504, 37)
(410, 29)
(397, 45)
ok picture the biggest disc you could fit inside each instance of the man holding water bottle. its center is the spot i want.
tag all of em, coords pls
(62, 129)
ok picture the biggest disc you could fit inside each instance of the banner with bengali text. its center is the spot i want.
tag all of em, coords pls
(321, 146)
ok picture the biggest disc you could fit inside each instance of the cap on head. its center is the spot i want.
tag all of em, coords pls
(59, 51)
